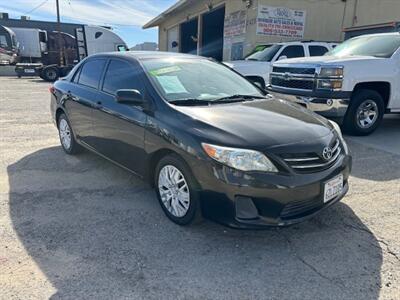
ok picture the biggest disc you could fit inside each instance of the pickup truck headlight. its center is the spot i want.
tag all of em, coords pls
(339, 132)
(331, 72)
(240, 159)
(330, 84)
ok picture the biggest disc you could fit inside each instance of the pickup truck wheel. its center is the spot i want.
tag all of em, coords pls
(50, 74)
(365, 112)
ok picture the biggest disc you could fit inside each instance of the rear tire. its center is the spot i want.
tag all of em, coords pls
(365, 112)
(50, 74)
(177, 191)
(67, 139)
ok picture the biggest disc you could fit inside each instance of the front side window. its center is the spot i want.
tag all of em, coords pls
(378, 46)
(91, 73)
(200, 79)
(317, 50)
(121, 75)
(265, 55)
(293, 51)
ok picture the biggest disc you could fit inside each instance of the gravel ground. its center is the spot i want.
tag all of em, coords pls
(79, 227)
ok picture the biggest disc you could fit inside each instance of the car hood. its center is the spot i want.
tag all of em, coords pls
(257, 124)
(245, 63)
(325, 60)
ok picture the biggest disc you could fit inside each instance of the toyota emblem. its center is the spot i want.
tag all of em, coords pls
(327, 153)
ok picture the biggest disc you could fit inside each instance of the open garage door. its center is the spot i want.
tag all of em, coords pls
(189, 37)
(212, 33)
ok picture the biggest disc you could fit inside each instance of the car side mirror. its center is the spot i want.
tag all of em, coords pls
(129, 97)
(282, 57)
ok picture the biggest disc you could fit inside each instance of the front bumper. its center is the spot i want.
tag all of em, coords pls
(258, 200)
(325, 104)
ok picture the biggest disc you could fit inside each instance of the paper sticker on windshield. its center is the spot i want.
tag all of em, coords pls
(161, 71)
(171, 84)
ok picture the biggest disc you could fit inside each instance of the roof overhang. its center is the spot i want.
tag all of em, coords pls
(161, 17)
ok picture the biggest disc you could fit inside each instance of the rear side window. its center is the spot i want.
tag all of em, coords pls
(121, 75)
(317, 50)
(91, 73)
(293, 51)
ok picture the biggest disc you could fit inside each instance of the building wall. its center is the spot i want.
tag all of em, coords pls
(325, 19)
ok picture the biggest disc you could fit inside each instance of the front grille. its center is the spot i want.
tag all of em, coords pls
(312, 162)
(308, 71)
(298, 208)
(293, 84)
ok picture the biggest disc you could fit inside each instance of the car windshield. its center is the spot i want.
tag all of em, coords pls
(379, 46)
(182, 79)
(266, 54)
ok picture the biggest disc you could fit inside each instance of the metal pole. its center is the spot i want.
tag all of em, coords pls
(59, 34)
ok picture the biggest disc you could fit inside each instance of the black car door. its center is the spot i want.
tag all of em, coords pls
(82, 97)
(118, 129)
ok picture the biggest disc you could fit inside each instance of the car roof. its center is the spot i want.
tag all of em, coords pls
(141, 55)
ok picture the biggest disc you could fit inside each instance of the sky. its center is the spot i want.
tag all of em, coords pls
(126, 17)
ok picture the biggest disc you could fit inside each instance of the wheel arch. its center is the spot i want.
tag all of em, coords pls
(153, 160)
(59, 112)
(381, 87)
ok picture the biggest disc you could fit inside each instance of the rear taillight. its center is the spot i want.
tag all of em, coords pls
(51, 89)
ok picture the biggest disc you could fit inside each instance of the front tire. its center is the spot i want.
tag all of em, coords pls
(177, 191)
(365, 112)
(67, 139)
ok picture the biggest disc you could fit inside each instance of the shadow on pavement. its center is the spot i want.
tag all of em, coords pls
(376, 157)
(97, 232)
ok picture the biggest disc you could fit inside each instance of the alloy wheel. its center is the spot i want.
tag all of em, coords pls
(367, 114)
(65, 134)
(174, 191)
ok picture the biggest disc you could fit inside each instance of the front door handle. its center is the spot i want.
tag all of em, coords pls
(98, 104)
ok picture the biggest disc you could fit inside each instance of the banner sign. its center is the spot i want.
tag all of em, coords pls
(235, 24)
(280, 21)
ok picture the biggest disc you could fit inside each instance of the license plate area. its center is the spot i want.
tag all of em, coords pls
(29, 71)
(333, 188)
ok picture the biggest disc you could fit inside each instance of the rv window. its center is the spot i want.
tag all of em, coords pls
(91, 73)
(42, 37)
(121, 75)
(3, 41)
(121, 48)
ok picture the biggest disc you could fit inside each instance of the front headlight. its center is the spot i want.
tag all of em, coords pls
(331, 72)
(241, 159)
(339, 132)
(329, 84)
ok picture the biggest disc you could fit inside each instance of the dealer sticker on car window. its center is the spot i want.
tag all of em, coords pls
(166, 70)
(333, 188)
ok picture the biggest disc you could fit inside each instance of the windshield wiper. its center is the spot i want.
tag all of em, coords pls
(190, 101)
(237, 97)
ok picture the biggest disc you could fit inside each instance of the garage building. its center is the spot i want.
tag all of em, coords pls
(230, 29)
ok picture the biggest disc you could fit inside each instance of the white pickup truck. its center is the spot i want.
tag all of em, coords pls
(355, 83)
(258, 65)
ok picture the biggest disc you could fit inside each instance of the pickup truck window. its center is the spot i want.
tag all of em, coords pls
(293, 51)
(316, 50)
(266, 54)
(379, 46)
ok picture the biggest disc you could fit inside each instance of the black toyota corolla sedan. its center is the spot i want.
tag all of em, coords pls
(210, 142)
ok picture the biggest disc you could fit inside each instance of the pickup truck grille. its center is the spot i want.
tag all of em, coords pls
(292, 84)
(312, 162)
(309, 71)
